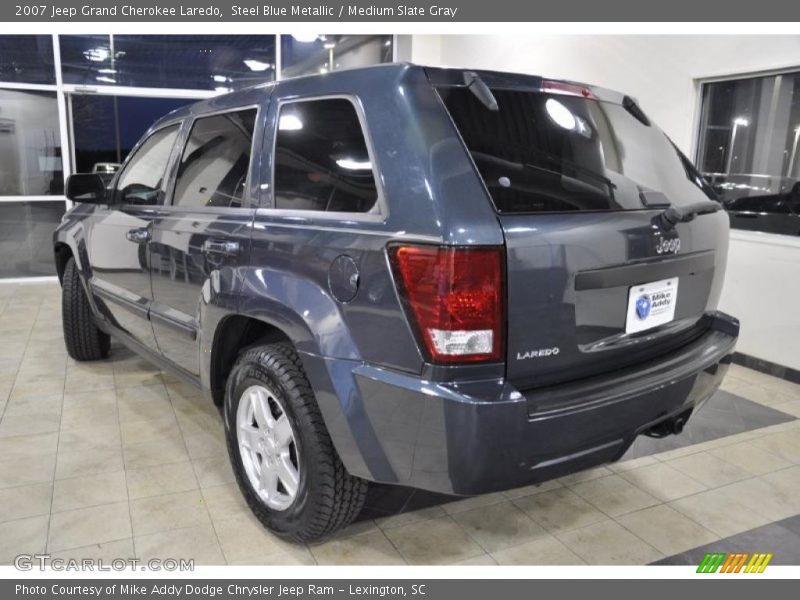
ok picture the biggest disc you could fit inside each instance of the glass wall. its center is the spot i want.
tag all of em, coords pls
(27, 59)
(309, 55)
(748, 150)
(202, 62)
(30, 144)
(107, 127)
(79, 103)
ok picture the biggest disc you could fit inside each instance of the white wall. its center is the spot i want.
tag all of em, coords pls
(762, 283)
(658, 70)
(762, 286)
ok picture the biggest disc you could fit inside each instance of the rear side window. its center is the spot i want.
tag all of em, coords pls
(142, 180)
(216, 161)
(321, 158)
(555, 153)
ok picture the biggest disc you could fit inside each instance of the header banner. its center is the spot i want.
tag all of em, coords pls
(314, 11)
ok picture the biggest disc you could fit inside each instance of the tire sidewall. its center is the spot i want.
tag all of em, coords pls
(246, 373)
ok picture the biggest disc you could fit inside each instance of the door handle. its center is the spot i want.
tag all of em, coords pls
(140, 235)
(221, 247)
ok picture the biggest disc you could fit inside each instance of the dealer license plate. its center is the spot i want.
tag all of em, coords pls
(651, 305)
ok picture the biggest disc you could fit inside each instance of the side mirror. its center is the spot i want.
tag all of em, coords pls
(86, 187)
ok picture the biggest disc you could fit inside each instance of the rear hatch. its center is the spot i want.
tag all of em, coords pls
(580, 177)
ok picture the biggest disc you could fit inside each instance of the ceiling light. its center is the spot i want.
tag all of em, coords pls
(257, 65)
(305, 38)
(106, 79)
(97, 54)
(741, 122)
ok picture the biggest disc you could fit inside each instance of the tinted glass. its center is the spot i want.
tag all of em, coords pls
(30, 144)
(216, 160)
(27, 59)
(321, 158)
(314, 54)
(26, 237)
(553, 153)
(106, 128)
(142, 180)
(748, 148)
(175, 61)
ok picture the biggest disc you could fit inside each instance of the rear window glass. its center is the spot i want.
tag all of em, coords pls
(554, 153)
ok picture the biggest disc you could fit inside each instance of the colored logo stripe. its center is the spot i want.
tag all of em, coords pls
(734, 563)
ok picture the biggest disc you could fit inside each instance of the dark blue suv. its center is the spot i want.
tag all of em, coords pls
(461, 281)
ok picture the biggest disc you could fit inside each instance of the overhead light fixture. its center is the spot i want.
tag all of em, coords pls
(354, 165)
(97, 54)
(323, 70)
(290, 123)
(105, 79)
(305, 38)
(221, 78)
(741, 121)
(329, 45)
(222, 89)
(110, 71)
(388, 43)
(257, 65)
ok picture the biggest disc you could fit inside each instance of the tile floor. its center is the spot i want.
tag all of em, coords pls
(117, 459)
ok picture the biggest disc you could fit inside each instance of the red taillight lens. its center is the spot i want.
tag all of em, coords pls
(455, 296)
(568, 89)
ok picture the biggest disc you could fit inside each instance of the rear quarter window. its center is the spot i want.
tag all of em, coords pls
(322, 161)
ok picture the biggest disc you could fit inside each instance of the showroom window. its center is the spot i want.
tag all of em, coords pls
(312, 54)
(27, 59)
(321, 158)
(105, 128)
(216, 160)
(748, 150)
(205, 62)
(30, 144)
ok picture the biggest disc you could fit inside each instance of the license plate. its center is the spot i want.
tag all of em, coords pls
(651, 305)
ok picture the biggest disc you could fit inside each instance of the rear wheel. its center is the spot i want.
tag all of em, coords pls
(282, 455)
(84, 340)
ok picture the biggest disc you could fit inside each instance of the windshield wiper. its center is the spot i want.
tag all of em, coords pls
(477, 86)
(681, 214)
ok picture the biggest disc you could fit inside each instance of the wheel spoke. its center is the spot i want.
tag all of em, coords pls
(269, 481)
(248, 437)
(287, 474)
(283, 431)
(261, 410)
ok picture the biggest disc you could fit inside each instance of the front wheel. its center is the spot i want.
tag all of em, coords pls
(84, 340)
(282, 455)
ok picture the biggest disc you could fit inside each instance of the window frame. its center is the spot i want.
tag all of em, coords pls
(382, 209)
(249, 202)
(179, 124)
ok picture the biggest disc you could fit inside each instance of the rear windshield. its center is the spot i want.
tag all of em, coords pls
(554, 153)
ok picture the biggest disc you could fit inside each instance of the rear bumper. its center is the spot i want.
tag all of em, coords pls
(395, 428)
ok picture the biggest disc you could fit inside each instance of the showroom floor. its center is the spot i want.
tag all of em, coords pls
(116, 459)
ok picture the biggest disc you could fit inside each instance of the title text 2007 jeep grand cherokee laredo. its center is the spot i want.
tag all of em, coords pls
(454, 280)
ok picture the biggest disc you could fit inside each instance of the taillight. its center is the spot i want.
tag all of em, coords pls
(454, 296)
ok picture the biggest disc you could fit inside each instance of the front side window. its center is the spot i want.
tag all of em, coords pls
(142, 181)
(321, 158)
(216, 161)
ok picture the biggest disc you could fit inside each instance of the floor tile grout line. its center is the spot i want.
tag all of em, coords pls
(197, 479)
(55, 466)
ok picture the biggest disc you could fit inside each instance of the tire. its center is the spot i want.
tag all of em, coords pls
(326, 496)
(84, 340)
